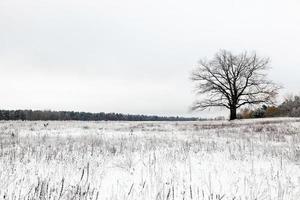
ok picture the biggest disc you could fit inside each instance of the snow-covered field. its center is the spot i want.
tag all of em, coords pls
(246, 160)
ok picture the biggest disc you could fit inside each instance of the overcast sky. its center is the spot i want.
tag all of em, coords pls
(134, 56)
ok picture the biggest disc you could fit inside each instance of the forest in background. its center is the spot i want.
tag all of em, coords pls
(290, 107)
(46, 115)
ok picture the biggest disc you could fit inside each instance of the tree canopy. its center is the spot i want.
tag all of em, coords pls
(232, 81)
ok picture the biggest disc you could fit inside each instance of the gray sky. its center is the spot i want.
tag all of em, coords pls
(134, 56)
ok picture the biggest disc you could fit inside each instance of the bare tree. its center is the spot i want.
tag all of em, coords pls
(233, 81)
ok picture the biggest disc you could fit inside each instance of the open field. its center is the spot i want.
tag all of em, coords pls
(246, 160)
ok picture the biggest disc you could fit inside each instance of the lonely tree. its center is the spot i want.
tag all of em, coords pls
(233, 81)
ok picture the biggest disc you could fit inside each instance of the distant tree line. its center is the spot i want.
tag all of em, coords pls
(32, 115)
(289, 108)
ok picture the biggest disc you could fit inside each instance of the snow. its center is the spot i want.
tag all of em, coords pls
(244, 159)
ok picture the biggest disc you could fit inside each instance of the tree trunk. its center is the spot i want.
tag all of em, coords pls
(233, 113)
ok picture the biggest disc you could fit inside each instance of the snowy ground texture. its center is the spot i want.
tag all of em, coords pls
(242, 160)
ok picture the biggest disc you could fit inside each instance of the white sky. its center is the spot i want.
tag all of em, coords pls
(134, 56)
